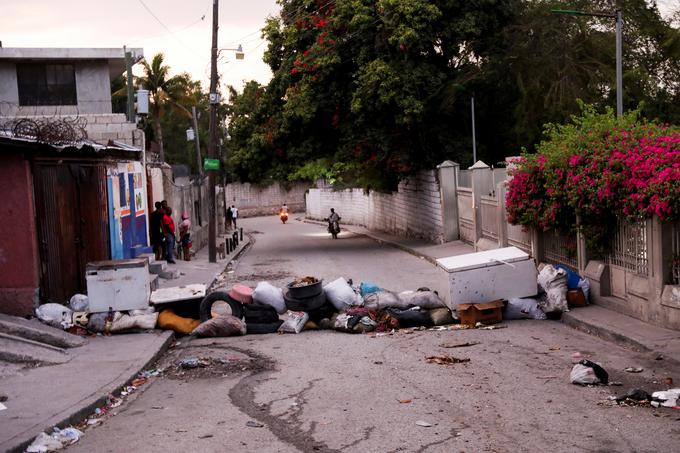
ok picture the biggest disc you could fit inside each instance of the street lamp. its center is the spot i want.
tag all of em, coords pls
(618, 16)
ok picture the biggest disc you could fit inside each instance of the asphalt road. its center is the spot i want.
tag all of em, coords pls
(328, 391)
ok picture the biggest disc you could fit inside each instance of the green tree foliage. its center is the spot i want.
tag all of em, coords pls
(165, 93)
(383, 87)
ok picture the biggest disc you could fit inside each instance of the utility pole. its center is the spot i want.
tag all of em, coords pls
(474, 133)
(212, 143)
(199, 164)
(619, 66)
(130, 87)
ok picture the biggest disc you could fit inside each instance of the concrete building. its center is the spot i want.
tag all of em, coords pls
(71, 172)
(67, 82)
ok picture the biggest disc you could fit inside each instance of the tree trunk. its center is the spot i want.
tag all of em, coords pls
(159, 138)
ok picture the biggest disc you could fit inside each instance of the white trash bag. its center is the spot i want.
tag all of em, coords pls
(341, 295)
(79, 302)
(55, 315)
(554, 282)
(583, 375)
(268, 294)
(523, 309)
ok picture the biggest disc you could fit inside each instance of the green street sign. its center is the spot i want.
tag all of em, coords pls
(211, 164)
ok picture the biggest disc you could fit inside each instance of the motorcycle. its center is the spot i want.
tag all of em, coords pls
(283, 216)
(333, 228)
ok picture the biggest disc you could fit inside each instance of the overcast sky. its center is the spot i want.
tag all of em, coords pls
(177, 30)
(114, 23)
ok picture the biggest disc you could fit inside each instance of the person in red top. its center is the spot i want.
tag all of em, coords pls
(169, 231)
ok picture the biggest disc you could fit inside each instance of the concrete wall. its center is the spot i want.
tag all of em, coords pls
(19, 279)
(93, 91)
(414, 210)
(253, 200)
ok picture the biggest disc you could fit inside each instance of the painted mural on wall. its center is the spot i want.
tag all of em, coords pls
(127, 210)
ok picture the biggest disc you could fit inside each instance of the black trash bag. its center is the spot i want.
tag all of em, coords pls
(254, 328)
(411, 318)
(635, 394)
(325, 311)
(260, 314)
(600, 372)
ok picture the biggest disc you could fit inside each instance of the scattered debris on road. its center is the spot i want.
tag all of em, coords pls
(424, 424)
(445, 360)
(631, 369)
(254, 424)
(459, 345)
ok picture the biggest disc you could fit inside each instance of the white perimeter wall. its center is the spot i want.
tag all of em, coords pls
(414, 210)
(253, 200)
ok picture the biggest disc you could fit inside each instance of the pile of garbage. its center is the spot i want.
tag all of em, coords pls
(77, 319)
(309, 305)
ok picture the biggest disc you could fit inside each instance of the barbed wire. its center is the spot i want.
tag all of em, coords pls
(53, 131)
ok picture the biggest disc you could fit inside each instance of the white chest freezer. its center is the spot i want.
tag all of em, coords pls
(490, 275)
(119, 284)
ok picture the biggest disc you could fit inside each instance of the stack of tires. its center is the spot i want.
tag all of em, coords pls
(238, 302)
(304, 298)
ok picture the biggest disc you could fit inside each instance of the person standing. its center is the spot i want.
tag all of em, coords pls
(229, 218)
(169, 231)
(185, 236)
(234, 215)
(156, 230)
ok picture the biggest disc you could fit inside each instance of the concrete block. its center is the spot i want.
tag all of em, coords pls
(157, 267)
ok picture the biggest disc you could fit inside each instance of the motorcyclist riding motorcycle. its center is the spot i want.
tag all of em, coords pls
(333, 224)
(283, 213)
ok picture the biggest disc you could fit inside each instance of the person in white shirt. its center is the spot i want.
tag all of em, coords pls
(234, 215)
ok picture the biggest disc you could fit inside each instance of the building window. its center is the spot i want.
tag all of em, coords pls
(46, 84)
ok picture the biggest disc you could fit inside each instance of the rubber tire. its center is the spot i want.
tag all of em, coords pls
(306, 304)
(219, 296)
(255, 328)
(260, 314)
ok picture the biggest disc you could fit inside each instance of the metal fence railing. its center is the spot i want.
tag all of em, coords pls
(629, 247)
(675, 254)
(560, 249)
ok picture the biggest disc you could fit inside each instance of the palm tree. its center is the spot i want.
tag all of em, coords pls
(164, 92)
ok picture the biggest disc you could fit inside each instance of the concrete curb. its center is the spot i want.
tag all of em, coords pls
(379, 240)
(614, 337)
(92, 402)
(241, 248)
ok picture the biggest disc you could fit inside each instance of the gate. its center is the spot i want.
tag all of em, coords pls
(72, 224)
(628, 255)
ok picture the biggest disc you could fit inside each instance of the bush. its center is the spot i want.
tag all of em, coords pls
(597, 168)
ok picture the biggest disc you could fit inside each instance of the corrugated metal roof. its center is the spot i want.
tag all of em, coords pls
(85, 144)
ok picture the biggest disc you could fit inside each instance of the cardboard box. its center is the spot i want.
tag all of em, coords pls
(486, 313)
(576, 298)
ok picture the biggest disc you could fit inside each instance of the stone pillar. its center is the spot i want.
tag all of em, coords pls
(660, 253)
(501, 189)
(536, 245)
(482, 184)
(448, 189)
(581, 249)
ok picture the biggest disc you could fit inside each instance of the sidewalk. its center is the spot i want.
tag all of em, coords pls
(59, 395)
(593, 319)
(199, 269)
(63, 394)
